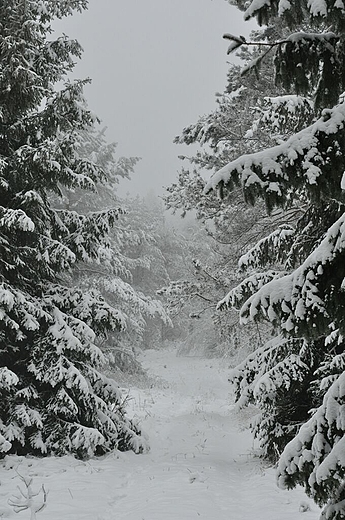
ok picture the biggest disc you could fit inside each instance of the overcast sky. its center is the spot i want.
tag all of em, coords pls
(155, 66)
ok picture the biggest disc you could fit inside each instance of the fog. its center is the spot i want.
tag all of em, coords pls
(155, 67)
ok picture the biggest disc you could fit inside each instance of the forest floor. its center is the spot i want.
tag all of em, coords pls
(201, 465)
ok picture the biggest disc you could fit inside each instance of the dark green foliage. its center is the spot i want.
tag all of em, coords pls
(54, 398)
(298, 378)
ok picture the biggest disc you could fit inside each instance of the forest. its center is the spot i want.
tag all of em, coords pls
(189, 341)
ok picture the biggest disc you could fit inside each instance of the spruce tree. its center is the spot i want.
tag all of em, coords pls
(302, 367)
(132, 251)
(228, 225)
(54, 398)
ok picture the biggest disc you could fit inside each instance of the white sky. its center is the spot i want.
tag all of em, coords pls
(155, 66)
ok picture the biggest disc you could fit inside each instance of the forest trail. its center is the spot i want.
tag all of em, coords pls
(201, 459)
(200, 465)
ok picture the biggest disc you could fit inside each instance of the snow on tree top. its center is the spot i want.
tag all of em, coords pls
(316, 7)
(284, 5)
(291, 102)
(255, 6)
(298, 36)
(16, 218)
(7, 377)
(6, 298)
(302, 150)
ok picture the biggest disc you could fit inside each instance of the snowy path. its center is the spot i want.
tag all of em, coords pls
(199, 466)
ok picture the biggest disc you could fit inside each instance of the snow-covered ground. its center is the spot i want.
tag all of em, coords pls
(201, 463)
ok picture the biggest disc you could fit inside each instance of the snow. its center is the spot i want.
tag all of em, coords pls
(342, 183)
(299, 288)
(304, 144)
(201, 463)
(316, 7)
(255, 6)
(6, 298)
(16, 218)
(284, 5)
(319, 447)
(7, 378)
(303, 36)
(273, 242)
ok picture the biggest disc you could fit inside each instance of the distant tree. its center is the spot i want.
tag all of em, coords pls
(54, 398)
(240, 124)
(132, 250)
(302, 367)
(164, 251)
(193, 292)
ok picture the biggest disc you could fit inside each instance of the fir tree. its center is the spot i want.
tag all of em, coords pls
(304, 298)
(54, 398)
(132, 253)
(229, 224)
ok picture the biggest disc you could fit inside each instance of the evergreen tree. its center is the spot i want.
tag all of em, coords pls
(54, 398)
(132, 254)
(148, 254)
(227, 226)
(304, 299)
